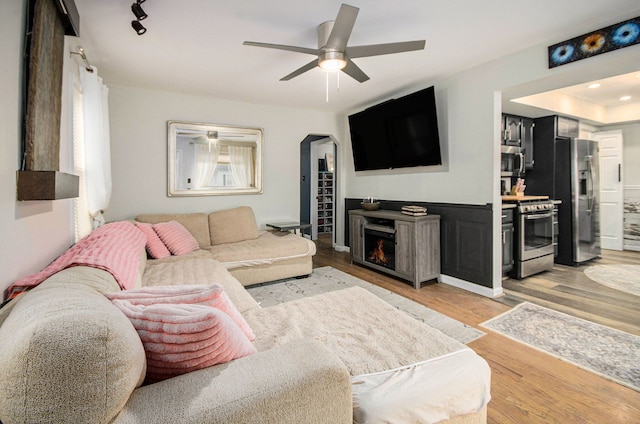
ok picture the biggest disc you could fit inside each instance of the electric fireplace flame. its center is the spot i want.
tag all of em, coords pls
(380, 248)
(377, 256)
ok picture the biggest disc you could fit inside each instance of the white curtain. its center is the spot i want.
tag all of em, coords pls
(83, 222)
(97, 150)
(241, 159)
(207, 156)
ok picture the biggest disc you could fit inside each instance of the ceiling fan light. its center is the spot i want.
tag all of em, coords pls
(332, 61)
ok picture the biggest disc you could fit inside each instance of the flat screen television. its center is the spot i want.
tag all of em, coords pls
(399, 133)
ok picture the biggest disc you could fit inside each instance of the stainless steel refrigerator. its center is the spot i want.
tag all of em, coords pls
(566, 169)
(585, 188)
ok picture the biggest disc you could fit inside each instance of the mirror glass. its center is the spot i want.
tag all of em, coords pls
(210, 159)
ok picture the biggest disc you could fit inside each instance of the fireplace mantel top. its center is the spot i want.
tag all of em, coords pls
(394, 215)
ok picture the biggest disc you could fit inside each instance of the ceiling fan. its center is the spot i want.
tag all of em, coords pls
(333, 54)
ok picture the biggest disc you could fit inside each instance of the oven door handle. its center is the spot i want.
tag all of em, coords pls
(537, 216)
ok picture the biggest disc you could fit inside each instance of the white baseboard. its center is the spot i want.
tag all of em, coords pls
(341, 248)
(474, 288)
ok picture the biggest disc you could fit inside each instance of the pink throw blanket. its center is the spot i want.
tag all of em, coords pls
(115, 247)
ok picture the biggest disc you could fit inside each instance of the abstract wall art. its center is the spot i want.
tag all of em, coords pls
(613, 37)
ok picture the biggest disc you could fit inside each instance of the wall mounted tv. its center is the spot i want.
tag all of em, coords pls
(398, 133)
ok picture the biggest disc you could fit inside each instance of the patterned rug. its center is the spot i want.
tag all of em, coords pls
(605, 351)
(625, 278)
(327, 279)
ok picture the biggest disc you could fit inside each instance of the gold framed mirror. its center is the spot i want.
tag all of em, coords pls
(211, 159)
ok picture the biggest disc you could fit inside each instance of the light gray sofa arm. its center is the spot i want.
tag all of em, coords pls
(300, 382)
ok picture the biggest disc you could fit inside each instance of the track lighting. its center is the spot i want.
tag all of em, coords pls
(140, 15)
(138, 28)
(137, 10)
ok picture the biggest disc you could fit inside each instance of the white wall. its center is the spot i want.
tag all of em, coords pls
(139, 151)
(32, 233)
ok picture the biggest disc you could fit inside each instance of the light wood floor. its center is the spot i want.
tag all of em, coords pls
(529, 386)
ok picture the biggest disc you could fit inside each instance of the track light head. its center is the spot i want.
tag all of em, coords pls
(138, 28)
(137, 10)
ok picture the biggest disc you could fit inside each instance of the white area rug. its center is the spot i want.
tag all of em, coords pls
(327, 279)
(625, 278)
(603, 350)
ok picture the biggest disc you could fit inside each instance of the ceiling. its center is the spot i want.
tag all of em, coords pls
(609, 91)
(599, 102)
(195, 46)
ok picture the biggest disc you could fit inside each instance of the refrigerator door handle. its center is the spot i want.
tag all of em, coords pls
(590, 202)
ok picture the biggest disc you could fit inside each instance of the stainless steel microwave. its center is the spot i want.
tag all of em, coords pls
(512, 162)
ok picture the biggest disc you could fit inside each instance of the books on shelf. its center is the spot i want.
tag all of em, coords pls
(413, 210)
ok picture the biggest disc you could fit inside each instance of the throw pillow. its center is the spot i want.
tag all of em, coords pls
(233, 225)
(213, 296)
(155, 246)
(178, 239)
(201, 336)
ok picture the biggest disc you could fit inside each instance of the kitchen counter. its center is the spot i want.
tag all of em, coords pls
(511, 198)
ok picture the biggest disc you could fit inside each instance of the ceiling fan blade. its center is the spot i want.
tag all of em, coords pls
(309, 66)
(283, 47)
(342, 28)
(381, 49)
(354, 72)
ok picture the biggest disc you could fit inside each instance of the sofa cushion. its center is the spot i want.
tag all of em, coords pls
(178, 239)
(196, 223)
(155, 247)
(232, 225)
(213, 296)
(196, 337)
(66, 353)
(268, 248)
(197, 268)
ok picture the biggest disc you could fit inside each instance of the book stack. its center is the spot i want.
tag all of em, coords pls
(414, 210)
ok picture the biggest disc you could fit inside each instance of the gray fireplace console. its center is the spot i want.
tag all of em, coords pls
(397, 244)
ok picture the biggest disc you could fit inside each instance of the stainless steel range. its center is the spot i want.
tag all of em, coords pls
(533, 237)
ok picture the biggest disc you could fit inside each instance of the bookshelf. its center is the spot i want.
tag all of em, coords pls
(325, 202)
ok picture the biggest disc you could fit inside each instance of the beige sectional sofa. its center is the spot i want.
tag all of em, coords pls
(252, 256)
(67, 354)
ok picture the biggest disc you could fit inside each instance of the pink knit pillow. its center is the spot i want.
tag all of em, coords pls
(213, 296)
(178, 239)
(155, 246)
(182, 338)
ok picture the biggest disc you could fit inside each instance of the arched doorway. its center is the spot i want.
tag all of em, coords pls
(318, 179)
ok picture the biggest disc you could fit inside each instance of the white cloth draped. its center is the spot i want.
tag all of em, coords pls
(206, 160)
(97, 150)
(241, 159)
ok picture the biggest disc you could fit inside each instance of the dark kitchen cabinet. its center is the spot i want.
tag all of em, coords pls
(526, 129)
(567, 127)
(511, 126)
(517, 131)
(507, 240)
